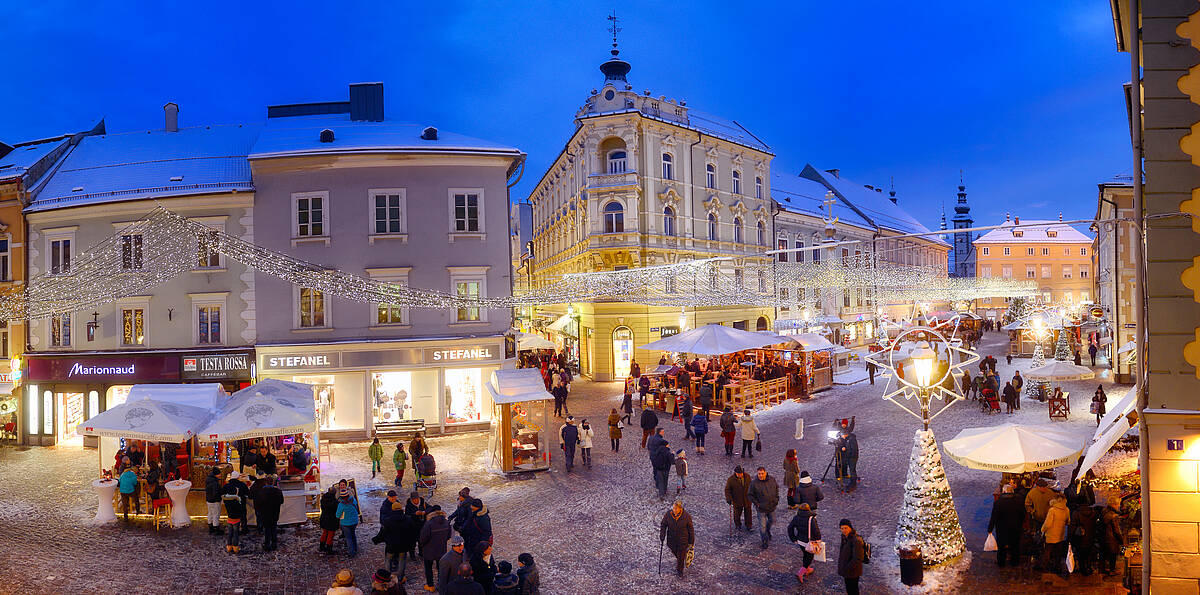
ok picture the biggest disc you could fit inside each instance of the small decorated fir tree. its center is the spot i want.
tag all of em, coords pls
(928, 519)
(1062, 351)
(1016, 310)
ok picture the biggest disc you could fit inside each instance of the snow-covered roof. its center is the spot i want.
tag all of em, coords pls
(24, 156)
(300, 135)
(1063, 234)
(804, 196)
(873, 206)
(151, 163)
(701, 122)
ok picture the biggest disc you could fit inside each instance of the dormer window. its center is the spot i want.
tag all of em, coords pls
(1017, 233)
(616, 162)
(1050, 233)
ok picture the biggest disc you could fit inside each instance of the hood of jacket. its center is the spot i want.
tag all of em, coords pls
(482, 510)
(1060, 504)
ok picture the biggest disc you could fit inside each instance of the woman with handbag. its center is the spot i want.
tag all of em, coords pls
(614, 430)
(1098, 401)
(791, 476)
(803, 531)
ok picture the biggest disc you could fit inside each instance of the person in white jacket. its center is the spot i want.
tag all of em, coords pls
(749, 433)
(586, 433)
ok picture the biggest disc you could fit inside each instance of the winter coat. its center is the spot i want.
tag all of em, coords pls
(477, 528)
(749, 428)
(810, 494)
(764, 493)
(627, 403)
(706, 395)
(434, 535)
(1111, 537)
(1037, 502)
(416, 448)
(530, 579)
(459, 516)
(614, 433)
(347, 513)
(266, 464)
(448, 568)
(677, 533)
(568, 436)
(798, 529)
(234, 495)
(128, 481)
(728, 422)
(737, 490)
(344, 591)
(267, 504)
(1008, 518)
(644, 385)
(1083, 527)
(1079, 494)
(328, 519)
(661, 457)
(464, 586)
(699, 425)
(791, 473)
(681, 467)
(399, 533)
(1100, 399)
(506, 584)
(483, 571)
(687, 410)
(386, 512)
(1057, 520)
(850, 556)
(1010, 394)
(585, 437)
(399, 459)
(848, 446)
(653, 442)
(375, 451)
(649, 419)
(212, 488)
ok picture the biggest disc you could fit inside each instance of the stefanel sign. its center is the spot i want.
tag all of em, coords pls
(91, 368)
(461, 354)
(302, 361)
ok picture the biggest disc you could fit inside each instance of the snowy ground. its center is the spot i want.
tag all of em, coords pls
(592, 531)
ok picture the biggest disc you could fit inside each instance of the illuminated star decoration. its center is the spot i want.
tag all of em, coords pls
(896, 356)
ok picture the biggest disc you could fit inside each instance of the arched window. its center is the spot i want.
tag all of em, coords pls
(710, 176)
(614, 218)
(737, 230)
(758, 187)
(737, 182)
(762, 234)
(669, 221)
(668, 172)
(712, 226)
(616, 162)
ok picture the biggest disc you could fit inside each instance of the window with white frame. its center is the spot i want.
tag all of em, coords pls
(799, 253)
(394, 314)
(985, 250)
(1066, 271)
(466, 211)
(737, 182)
(131, 252)
(1066, 251)
(207, 256)
(668, 167)
(1006, 271)
(1083, 251)
(710, 176)
(782, 256)
(614, 217)
(762, 234)
(985, 271)
(1083, 295)
(712, 226)
(616, 161)
(1007, 251)
(311, 308)
(758, 187)
(208, 311)
(1045, 252)
(5, 271)
(311, 214)
(1030, 273)
(60, 330)
(59, 250)
(389, 212)
(469, 283)
(1045, 271)
(738, 236)
(668, 221)
(1084, 271)
(1029, 252)
(133, 325)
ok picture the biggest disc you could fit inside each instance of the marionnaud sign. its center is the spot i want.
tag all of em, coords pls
(460, 354)
(78, 369)
(301, 361)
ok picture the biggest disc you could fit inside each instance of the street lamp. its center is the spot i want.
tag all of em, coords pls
(682, 320)
(923, 359)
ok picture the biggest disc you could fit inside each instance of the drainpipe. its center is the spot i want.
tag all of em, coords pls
(1135, 63)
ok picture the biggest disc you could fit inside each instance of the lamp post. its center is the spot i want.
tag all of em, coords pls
(923, 359)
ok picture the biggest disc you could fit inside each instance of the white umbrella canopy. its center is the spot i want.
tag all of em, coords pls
(268, 411)
(1118, 410)
(1057, 371)
(148, 419)
(1015, 449)
(711, 339)
(1127, 347)
(1106, 441)
(515, 386)
(527, 341)
(813, 341)
(300, 393)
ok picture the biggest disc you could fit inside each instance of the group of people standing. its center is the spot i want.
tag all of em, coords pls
(257, 504)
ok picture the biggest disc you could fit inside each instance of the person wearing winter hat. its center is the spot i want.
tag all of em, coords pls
(450, 562)
(234, 496)
(384, 583)
(506, 581)
(528, 577)
(850, 556)
(343, 584)
(808, 492)
(460, 513)
(681, 469)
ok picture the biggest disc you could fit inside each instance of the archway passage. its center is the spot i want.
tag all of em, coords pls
(762, 323)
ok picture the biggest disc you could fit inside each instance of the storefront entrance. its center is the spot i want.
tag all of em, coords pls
(622, 351)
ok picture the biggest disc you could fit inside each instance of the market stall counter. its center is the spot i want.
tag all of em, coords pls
(518, 441)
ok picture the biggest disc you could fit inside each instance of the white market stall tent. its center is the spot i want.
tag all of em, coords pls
(1058, 371)
(268, 408)
(526, 342)
(519, 440)
(712, 339)
(147, 419)
(1012, 448)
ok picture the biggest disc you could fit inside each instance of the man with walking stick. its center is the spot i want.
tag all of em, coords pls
(677, 534)
(737, 489)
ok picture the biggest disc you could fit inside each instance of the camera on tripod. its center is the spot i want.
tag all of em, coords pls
(838, 426)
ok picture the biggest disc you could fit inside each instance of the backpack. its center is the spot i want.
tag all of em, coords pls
(866, 550)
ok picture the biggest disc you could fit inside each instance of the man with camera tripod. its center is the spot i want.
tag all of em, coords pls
(847, 457)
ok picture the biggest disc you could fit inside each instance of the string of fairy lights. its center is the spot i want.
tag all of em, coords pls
(164, 245)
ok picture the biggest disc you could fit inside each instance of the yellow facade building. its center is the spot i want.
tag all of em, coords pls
(1056, 256)
(646, 181)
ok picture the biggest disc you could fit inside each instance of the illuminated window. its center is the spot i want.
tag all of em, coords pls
(311, 308)
(133, 326)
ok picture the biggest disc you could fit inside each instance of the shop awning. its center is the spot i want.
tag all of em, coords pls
(1106, 341)
(526, 341)
(1106, 441)
(560, 325)
(516, 386)
(148, 419)
(268, 408)
(710, 339)
(1118, 410)
(1127, 347)
(813, 341)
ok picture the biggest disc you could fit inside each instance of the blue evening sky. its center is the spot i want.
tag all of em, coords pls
(1025, 97)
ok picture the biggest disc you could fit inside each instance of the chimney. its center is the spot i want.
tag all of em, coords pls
(837, 173)
(171, 111)
(429, 133)
(1006, 216)
(1016, 220)
(366, 102)
(1060, 215)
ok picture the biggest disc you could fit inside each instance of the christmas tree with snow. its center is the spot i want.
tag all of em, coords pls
(928, 519)
(1062, 351)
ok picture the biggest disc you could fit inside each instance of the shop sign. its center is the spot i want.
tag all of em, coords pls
(1097, 312)
(461, 354)
(668, 331)
(6, 377)
(301, 361)
(216, 366)
(1130, 325)
(121, 368)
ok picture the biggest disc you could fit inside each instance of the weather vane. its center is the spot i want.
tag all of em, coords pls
(614, 29)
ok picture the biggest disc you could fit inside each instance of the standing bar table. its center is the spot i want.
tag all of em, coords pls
(105, 488)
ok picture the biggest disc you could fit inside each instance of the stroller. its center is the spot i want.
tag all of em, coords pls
(989, 402)
(426, 481)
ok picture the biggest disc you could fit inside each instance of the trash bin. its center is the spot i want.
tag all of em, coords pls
(912, 565)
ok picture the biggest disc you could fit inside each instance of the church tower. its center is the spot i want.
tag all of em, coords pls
(964, 252)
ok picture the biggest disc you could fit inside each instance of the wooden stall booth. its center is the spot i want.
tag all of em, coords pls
(519, 436)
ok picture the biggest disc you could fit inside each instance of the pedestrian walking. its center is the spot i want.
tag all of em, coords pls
(966, 383)
(791, 476)
(871, 371)
(400, 462)
(568, 439)
(699, 430)
(1099, 399)
(234, 495)
(706, 398)
(1054, 529)
(449, 563)
(627, 408)
(559, 392)
(764, 494)
(1005, 526)
(681, 470)
(1008, 358)
(808, 492)
(614, 430)
(643, 390)
(267, 503)
(648, 422)
(1092, 353)
(432, 542)
(803, 531)
(661, 460)
(737, 489)
(375, 452)
(686, 412)
(851, 555)
(347, 515)
(727, 422)
(417, 448)
(212, 499)
(678, 534)
(749, 431)
(396, 532)
(586, 435)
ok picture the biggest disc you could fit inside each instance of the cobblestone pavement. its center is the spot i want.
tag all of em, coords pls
(592, 531)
